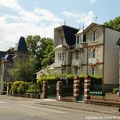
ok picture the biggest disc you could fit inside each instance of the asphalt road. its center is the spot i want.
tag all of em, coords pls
(28, 109)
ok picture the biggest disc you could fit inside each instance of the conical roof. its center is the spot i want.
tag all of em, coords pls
(21, 45)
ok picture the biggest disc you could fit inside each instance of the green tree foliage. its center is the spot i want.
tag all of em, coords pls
(47, 51)
(41, 49)
(115, 23)
(24, 69)
(33, 44)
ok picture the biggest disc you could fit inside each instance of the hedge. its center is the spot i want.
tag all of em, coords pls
(95, 80)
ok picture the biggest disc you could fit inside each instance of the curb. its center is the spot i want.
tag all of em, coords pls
(70, 107)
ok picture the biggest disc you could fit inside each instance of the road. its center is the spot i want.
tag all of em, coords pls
(28, 109)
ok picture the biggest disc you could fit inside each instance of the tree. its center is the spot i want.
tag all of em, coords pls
(115, 23)
(33, 44)
(24, 69)
(47, 51)
(41, 49)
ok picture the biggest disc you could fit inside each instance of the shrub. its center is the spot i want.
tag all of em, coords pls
(115, 90)
(19, 87)
(50, 79)
(33, 88)
(15, 86)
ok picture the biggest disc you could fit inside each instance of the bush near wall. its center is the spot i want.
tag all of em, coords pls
(95, 80)
(115, 90)
(19, 87)
(33, 89)
(50, 79)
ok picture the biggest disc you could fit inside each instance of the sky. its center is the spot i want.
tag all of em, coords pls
(40, 17)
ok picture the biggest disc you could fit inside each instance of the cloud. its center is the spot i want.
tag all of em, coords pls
(84, 18)
(2, 20)
(93, 1)
(11, 4)
(23, 23)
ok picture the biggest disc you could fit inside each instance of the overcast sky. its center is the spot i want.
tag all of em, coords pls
(40, 17)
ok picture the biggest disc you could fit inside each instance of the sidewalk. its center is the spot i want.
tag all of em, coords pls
(82, 106)
(71, 105)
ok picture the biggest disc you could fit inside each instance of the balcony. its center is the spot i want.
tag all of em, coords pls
(92, 60)
(76, 63)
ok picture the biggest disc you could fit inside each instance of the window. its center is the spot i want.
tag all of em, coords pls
(63, 56)
(81, 38)
(62, 70)
(77, 39)
(94, 37)
(93, 53)
(60, 57)
(76, 71)
(93, 71)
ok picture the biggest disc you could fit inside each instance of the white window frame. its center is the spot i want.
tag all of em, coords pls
(81, 38)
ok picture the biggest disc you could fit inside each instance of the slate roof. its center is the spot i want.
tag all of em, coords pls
(69, 33)
(2, 54)
(8, 57)
(21, 45)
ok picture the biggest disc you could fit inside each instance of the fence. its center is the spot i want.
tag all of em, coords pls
(107, 92)
(51, 91)
(3, 87)
(67, 90)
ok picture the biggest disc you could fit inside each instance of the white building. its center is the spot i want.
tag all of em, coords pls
(91, 51)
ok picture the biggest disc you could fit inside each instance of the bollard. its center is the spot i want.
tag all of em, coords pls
(76, 88)
(86, 88)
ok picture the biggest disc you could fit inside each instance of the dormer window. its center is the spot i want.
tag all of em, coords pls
(81, 38)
